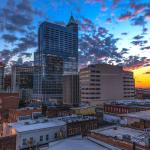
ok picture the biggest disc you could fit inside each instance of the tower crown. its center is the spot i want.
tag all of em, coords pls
(71, 21)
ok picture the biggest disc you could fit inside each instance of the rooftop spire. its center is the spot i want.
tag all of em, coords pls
(71, 20)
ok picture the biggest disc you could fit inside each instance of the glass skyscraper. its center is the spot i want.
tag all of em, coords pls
(57, 49)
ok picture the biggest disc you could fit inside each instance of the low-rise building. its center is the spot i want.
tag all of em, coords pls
(14, 114)
(85, 110)
(36, 131)
(122, 137)
(140, 120)
(58, 111)
(80, 124)
(126, 106)
(8, 143)
(114, 109)
(31, 133)
(142, 93)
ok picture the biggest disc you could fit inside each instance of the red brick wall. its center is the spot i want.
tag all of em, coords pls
(116, 142)
(8, 142)
(109, 108)
(14, 114)
(9, 100)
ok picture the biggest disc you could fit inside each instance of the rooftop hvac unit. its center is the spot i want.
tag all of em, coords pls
(115, 128)
(126, 137)
(26, 123)
(45, 120)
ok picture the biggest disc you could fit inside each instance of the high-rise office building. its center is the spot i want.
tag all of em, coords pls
(48, 79)
(103, 82)
(58, 41)
(1, 76)
(61, 41)
(22, 81)
(71, 94)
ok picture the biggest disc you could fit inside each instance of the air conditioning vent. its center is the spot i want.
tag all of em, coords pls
(26, 123)
(126, 137)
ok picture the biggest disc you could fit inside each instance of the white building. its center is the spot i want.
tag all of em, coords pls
(37, 132)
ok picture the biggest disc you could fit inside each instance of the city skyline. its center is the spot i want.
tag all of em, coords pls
(115, 32)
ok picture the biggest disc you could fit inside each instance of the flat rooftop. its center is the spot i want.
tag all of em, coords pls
(76, 118)
(77, 143)
(39, 124)
(131, 103)
(119, 132)
(144, 115)
(29, 124)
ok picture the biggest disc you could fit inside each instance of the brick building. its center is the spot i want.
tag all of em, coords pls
(138, 120)
(126, 106)
(123, 138)
(14, 114)
(80, 124)
(9, 100)
(58, 111)
(8, 143)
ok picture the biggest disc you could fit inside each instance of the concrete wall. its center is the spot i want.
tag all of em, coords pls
(102, 82)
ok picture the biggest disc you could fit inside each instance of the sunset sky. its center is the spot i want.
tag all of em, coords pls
(110, 31)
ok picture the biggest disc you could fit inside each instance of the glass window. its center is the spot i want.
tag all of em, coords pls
(41, 138)
(47, 137)
(31, 138)
(24, 141)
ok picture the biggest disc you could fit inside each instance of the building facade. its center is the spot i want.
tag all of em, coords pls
(8, 101)
(122, 137)
(61, 42)
(71, 94)
(102, 82)
(8, 143)
(122, 109)
(14, 114)
(48, 79)
(1, 76)
(32, 134)
(142, 93)
(22, 81)
(7, 83)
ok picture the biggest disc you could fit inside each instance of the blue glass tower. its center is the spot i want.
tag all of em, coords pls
(56, 43)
